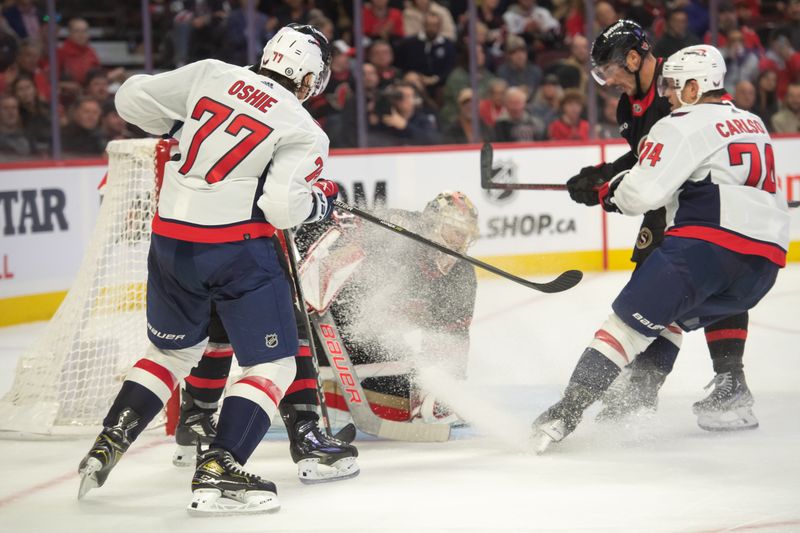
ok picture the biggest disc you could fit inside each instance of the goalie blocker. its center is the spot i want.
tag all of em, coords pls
(384, 305)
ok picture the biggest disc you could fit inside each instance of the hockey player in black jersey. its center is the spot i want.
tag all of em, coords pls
(622, 59)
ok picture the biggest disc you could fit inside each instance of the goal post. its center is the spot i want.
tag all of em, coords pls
(65, 382)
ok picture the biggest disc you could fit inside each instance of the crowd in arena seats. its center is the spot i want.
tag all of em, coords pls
(531, 57)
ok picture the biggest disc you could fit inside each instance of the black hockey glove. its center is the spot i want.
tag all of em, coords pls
(605, 196)
(583, 187)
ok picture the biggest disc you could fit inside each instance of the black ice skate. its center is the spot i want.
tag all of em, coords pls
(562, 418)
(728, 407)
(220, 487)
(108, 448)
(634, 391)
(195, 425)
(319, 456)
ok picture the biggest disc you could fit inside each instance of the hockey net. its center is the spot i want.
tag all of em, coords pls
(65, 383)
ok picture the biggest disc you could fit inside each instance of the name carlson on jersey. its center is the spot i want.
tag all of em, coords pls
(738, 126)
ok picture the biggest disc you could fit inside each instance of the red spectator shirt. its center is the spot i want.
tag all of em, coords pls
(75, 61)
(561, 131)
(373, 25)
(750, 40)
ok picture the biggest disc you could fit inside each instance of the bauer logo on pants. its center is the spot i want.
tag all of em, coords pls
(271, 340)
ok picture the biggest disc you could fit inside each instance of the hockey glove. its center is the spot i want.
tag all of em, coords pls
(323, 194)
(605, 196)
(583, 187)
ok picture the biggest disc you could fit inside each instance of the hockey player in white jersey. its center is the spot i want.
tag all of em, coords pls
(712, 166)
(251, 162)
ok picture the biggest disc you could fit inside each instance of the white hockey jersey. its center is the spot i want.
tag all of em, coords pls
(712, 166)
(249, 151)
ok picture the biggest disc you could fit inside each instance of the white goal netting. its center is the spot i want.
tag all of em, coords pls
(66, 381)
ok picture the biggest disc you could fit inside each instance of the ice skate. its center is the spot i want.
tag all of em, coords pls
(220, 487)
(562, 418)
(728, 407)
(320, 457)
(106, 452)
(194, 425)
(635, 390)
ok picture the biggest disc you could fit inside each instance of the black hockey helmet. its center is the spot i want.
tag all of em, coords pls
(611, 47)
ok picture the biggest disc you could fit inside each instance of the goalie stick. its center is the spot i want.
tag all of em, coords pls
(361, 412)
(565, 280)
(291, 250)
(486, 177)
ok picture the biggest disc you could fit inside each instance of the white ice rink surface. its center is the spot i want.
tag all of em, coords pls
(653, 475)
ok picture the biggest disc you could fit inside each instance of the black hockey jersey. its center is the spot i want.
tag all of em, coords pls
(635, 117)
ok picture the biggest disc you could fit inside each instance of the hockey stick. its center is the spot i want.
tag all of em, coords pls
(486, 177)
(363, 416)
(288, 236)
(565, 280)
(794, 203)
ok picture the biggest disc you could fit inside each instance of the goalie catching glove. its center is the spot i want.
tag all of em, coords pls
(323, 194)
(584, 186)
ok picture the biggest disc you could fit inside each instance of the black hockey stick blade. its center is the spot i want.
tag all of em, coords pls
(487, 156)
(794, 203)
(564, 281)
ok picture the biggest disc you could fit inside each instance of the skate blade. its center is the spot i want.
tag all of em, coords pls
(310, 471)
(212, 503)
(88, 476)
(736, 420)
(540, 441)
(184, 455)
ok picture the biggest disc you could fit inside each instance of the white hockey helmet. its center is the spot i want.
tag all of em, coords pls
(702, 63)
(295, 54)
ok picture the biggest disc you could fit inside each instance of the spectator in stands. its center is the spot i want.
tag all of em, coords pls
(787, 120)
(8, 54)
(14, 139)
(460, 131)
(547, 99)
(531, 21)
(429, 53)
(729, 22)
(516, 124)
(606, 127)
(488, 15)
(82, 134)
(30, 62)
(112, 126)
(76, 58)
(491, 107)
(575, 21)
(792, 25)
(97, 87)
(24, 18)
(517, 71)
(381, 56)
(783, 58)
(742, 64)
(235, 33)
(381, 21)
(290, 11)
(347, 135)
(429, 106)
(744, 96)
(676, 34)
(571, 71)
(401, 122)
(34, 112)
(569, 126)
(414, 18)
(766, 97)
(459, 79)
(604, 16)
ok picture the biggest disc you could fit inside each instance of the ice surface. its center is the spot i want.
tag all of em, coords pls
(657, 474)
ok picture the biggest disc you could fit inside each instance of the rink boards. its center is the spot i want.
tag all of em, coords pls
(47, 212)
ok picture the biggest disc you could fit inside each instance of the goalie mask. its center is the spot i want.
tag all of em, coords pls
(451, 220)
(702, 63)
(296, 52)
